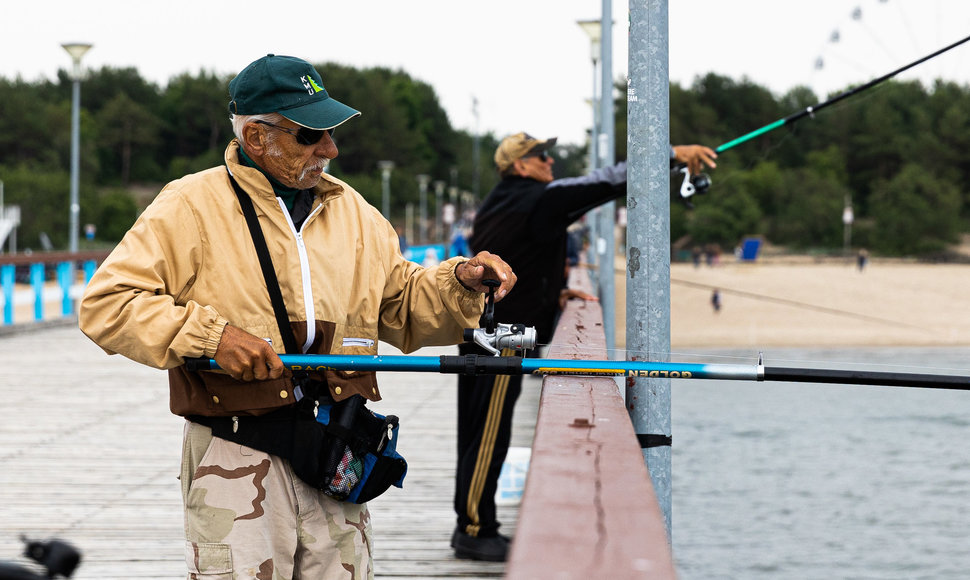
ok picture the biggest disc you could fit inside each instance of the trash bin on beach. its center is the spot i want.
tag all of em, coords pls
(749, 248)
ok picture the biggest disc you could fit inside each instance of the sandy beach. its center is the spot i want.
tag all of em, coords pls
(802, 302)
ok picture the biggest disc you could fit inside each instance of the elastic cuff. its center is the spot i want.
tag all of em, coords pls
(215, 337)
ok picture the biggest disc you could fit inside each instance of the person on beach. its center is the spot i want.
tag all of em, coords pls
(186, 282)
(525, 218)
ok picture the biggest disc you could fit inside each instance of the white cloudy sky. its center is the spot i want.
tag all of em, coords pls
(526, 61)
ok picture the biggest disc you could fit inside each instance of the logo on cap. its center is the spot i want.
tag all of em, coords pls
(310, 84)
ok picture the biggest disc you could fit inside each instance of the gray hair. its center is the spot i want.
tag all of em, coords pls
(240, 121)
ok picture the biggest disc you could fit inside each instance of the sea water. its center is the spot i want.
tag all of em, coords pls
(804, 481)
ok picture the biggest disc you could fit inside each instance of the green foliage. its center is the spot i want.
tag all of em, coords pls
(44, 199)
(900, 153)
(811, 211)
(724, 219)
(128, 132)
(915, 211)
(195, 120)
(113, 212)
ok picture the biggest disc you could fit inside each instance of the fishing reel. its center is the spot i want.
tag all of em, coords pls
(691, 184)
(497, 336)
(513, 336)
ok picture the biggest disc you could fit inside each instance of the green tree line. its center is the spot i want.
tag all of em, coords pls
(897, 153)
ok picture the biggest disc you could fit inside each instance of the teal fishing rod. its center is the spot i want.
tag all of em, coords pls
(700, 183)
(810, 111)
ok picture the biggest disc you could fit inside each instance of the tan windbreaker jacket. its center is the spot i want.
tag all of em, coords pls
(188, 267)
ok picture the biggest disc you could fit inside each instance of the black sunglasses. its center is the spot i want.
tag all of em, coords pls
(304, 135)
(542, 155)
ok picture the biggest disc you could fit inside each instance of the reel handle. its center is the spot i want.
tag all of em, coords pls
(489, 315)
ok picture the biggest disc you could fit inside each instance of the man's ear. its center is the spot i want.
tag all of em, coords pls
(519, 167)
(253, 138)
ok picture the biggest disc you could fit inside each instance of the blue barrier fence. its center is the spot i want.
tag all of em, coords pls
(50, 281)
(428, 255)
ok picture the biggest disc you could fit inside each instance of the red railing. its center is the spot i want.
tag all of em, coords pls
(588, 509)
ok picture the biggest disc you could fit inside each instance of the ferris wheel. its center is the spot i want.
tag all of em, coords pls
(875, 36)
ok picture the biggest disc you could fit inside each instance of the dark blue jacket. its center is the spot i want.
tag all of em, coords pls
(524, 221)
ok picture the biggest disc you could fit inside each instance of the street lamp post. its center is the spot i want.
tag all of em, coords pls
(76, 50)
(386, 167)
(847, 218)
(605, 151)
(423, 181)
(602, 220)
(439, 194)
(476, 153)
(593, 29)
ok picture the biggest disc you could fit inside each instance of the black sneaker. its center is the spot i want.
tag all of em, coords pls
(490, 549)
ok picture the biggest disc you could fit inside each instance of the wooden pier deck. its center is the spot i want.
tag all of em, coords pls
(89, 453)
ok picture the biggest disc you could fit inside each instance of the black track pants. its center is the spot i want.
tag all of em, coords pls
(485, 405)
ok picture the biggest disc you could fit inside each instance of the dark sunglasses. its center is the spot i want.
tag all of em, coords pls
(304, 135)
(542, 155)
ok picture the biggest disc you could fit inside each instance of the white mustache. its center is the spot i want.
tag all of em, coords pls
(319, 165)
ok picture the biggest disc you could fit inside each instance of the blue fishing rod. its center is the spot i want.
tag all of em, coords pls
(515, 365)
(518, 337)
(698, 184)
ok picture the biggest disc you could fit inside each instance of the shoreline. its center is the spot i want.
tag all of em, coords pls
(810, 303)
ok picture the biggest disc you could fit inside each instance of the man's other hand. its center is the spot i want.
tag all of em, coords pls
(246, 357)
(695, 156)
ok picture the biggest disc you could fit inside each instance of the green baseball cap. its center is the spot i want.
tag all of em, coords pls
(289, 86)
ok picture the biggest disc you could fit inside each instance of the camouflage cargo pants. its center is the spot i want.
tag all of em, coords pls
(248, 517)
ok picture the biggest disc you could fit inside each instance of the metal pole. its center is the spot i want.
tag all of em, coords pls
(648, 236)
(409, 222)
(76, 50)
(386, 167)
(75, 160)
(453, 198)
(439, 194)
(592, 219)
(847, 217)
(593, 29)
(476, 153)
(423, 181)
(607, 212)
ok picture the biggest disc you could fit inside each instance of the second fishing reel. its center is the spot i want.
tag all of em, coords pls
(690, 185)
(496, 336)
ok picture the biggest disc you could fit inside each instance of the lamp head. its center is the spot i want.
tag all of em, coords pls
(76, 50)
(593, 29)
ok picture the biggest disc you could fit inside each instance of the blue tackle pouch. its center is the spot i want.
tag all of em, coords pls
(362, 456)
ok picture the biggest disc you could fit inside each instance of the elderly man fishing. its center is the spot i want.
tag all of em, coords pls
(263, 255)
